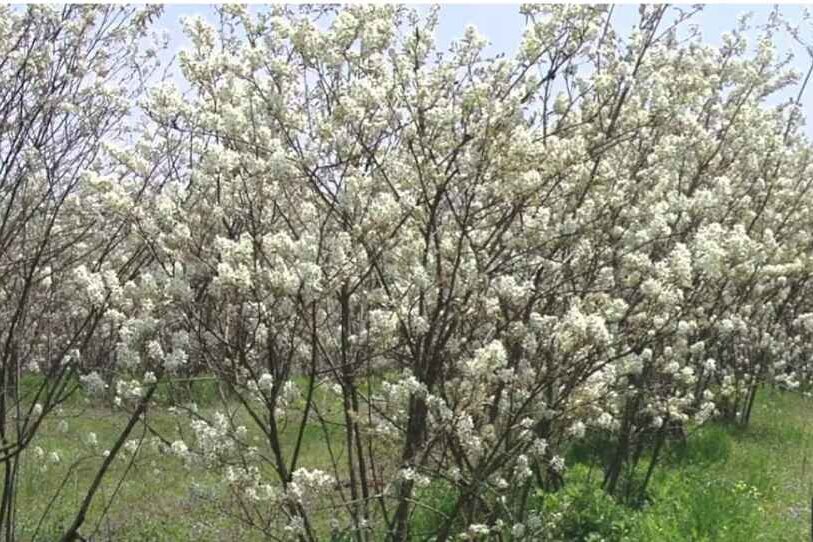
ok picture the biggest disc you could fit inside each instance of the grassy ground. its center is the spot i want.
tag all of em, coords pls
(726, 484)
(156, 497)
(750, 484)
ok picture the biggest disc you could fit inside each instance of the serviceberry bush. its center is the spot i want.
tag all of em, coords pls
(450, 267)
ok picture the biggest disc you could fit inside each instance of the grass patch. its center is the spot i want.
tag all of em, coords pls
(723, 484)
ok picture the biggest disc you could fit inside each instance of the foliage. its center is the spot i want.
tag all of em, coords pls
(417, 279)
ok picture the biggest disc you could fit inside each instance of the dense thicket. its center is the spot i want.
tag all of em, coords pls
(481, 260)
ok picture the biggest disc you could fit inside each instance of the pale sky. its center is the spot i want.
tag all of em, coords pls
(503, 26)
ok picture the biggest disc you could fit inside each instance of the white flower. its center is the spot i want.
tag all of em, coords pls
(92, 283)
(155, 351)
(577, 429)
(487, 360)
(266, 383)
(539, 447)
(131, 446)
(179, 449)
(91, 439)
(129, 390)
(651, 288)
(522, 470)
(477, 530)
(306, 483)
(606, 421)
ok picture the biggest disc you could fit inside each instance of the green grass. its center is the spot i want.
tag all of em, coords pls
(725, 484)
(159, 498)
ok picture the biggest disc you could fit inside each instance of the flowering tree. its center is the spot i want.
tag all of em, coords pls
(479, 259)
(67, 77)
(447, 267)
